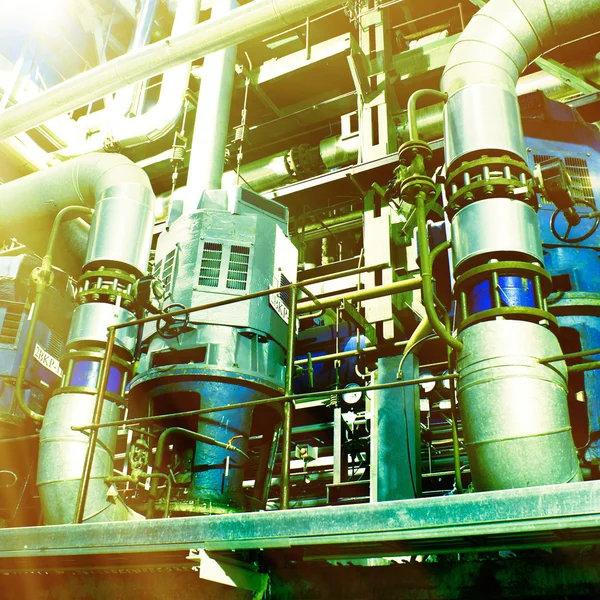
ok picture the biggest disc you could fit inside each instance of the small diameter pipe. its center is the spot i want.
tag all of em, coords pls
(405, 285)
(286, 439)
(412, 108)
(44, 278)
(585, 366)
(558, 358)
(348, 353)
(91, 449)
(160, 452)
(426, 274)
(306, 396)
(400, 286)
(411, 348)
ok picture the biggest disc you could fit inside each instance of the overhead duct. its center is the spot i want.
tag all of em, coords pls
(514, 410)
(117, 253)
(255, 19)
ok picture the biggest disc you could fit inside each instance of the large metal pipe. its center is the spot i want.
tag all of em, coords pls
(207, 158)
(258, 18)
(162, 117)
(274, 171)
(120, 237)
(522, 437)
(484, 66)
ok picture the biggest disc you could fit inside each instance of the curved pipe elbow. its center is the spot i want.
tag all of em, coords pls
(481, 74)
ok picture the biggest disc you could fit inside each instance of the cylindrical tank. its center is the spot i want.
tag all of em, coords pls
(514, 409)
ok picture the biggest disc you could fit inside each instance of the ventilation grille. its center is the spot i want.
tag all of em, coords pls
(168, 269)
(581, 184)
(237, 274)
(157, 268)
(285, 295)
(10, 325)
(55, 345)
(210, 267)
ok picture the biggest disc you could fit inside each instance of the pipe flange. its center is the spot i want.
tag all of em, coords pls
(518, 313)
(409, 150)
(522, 269)
(488, 177)
(416, 184)
(304, 161)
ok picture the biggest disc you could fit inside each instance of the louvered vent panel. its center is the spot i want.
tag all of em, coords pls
(10, 325)
(285, 296)
(210, 267)
(237, 274)
(55, 345)
(581, 184)
(167, 275)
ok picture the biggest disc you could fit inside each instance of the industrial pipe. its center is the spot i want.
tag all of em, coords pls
(43, 278)
(121, 235)
(127, 99)
(514, 409)
(480, 78)
(30, 204)
(255, 19)
(160, 453)
(162, 117)
(427, 277)
(207, 158)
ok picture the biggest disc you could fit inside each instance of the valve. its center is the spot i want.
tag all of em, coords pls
(554, 183)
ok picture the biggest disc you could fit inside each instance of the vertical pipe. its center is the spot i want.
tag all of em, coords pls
(207, 158)
(286, 443)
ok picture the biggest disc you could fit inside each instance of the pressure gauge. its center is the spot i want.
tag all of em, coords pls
(350, 395)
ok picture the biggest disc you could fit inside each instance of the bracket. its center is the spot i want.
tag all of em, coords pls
(228, 571)
(353, 315)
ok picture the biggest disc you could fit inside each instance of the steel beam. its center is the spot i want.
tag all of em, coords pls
(567, 75)
(557, 515)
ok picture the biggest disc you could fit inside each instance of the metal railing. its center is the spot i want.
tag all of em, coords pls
(313, 304)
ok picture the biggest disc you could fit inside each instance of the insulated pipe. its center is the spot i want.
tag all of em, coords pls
(121, 236)
(30, 204)
(515, 416)
(252, 20)
(482, 113)
(207, 158)
(273, 171)
(162, 117)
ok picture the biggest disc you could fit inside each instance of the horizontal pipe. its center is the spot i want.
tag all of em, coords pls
(406, 285)
(29, 205)
(252, 20)
(236, 299)
(306, 396)
(561, 357)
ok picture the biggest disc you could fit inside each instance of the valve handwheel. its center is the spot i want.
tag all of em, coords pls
(564, 237)
(170, 327)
